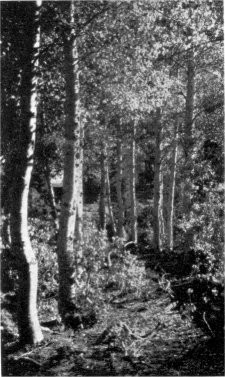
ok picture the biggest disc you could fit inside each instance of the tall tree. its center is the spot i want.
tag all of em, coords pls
(133, 209)
(28, 324)
(72, 162)
(171, 194)
(119, 177)
(158, 226)
(111, 224)
(102, 198)
(190, 103)
(79, 229)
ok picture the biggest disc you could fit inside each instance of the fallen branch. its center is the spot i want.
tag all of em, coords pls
(207, 324)
(32, 360)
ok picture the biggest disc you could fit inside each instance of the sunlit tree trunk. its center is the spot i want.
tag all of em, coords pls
(28, 324)
(72, 161)
(158, 227)
(171, 194)
(102, 198)
(79, 236)
(133, 207)
(126, 189)
(119, 178)
(108, 197)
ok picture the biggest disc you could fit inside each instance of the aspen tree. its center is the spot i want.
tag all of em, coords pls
(28, 324)
(102, 198)
(133, 209)
(119, 177)
(172, 181)
(108, 197)
(71, 178)
(158, 226)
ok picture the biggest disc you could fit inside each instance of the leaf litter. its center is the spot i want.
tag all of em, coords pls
(146, 338)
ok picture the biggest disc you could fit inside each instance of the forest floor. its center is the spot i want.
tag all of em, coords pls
(131, 337)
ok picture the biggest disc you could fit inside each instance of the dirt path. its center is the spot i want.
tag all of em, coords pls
(132, 337)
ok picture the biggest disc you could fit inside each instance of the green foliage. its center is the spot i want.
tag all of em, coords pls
(145, 225)
(107, 271)
(201, 299)
(202, 227)
(40, 234)
(194, 281)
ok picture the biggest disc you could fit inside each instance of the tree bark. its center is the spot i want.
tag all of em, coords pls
(190, 103)
(79, 231)
(72, 161)
(158, 227)
(119, 177)
(109, 202)
(28, 324)
(102, 214)
(170, 204)
(51, 196)
(133, 211)
(188, 131)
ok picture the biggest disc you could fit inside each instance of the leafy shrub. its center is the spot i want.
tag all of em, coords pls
(193, 271)
(40, 234)
(194, 280)
(202, 299)
(107, 271)
(144, 221)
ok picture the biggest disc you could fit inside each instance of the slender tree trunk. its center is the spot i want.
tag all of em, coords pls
(79, 236)
(28, 324)
(188, 131)
(190, 103)
(133, 219)
(51, 196)
(102, 214)
(170, 204)
(158, 228)
(109, 202)
(126, 190)
(119, 178)
(72, 161)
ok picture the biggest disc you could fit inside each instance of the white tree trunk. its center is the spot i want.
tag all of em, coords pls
(102, 198)
(71, 179)
(119, 177)
(109, 202)
(170, 204)
(79, 226)
(28, 324)
(133, 209)
(158, 227)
